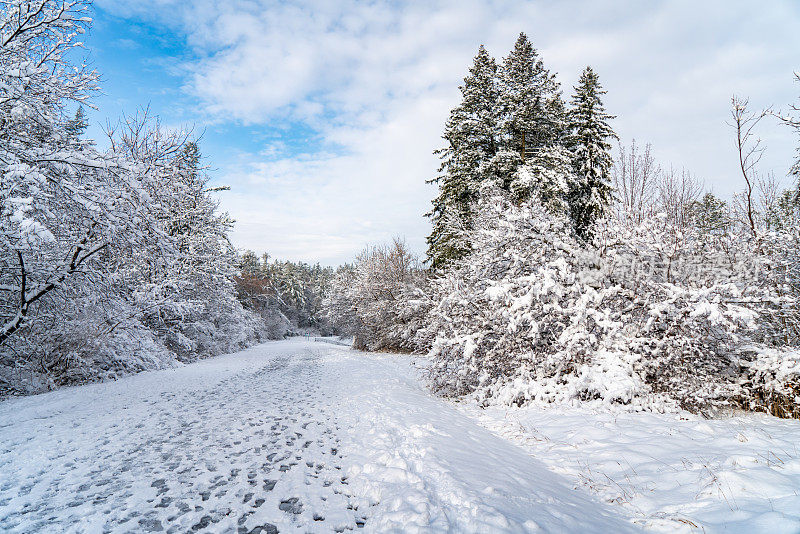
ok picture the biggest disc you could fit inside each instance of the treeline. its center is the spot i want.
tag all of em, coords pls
(287, 295)
(112, 260)
(557, 274)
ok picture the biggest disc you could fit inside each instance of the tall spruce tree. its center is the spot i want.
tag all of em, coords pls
(472, 137)
(533, 114)
(589, 140)
(76, 126)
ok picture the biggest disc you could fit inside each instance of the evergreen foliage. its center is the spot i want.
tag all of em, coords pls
(547, 177)
(288, 295)
(589, 140)
(532, 111)
(75, 128)
(710, 214)
(472, 137)
(507, 115)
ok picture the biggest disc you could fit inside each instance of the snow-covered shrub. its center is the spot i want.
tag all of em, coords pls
(771, 382)
(649, 315)
(76, 337)
(693, 301)
(380, 300)
(779, 251)
(517, 317)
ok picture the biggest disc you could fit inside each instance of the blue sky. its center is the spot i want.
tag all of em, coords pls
(322, 115)
(145, 62)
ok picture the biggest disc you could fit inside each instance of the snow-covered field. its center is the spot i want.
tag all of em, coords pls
(670, 472)
(312, 437)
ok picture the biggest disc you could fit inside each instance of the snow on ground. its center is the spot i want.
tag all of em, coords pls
(287, 436)
(297, 436)
(669, 472)
(434, 469)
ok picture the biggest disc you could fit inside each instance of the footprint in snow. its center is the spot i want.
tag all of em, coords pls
(291, 505)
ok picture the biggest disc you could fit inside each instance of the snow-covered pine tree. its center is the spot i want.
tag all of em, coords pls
(589, 140)
(533, 114)
(472, 137)
(710, 214)
(76, 126)
(785, 213)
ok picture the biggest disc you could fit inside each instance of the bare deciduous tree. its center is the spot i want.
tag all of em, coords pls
(676, 193)
(749, 150)
(636, 176)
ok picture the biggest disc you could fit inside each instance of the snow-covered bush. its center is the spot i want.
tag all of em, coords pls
(650, 315)
(516, 318)
(695, 301)
(380, 300)
(771, 382)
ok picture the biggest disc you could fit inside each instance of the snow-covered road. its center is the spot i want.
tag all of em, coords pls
(287, 436)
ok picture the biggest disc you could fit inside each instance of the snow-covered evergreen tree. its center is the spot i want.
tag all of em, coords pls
(249, 264)
(506, 115)
(76, 126)
(532, 111)
(710, 214)
(288, 295)
(472, 138)
(589, 140)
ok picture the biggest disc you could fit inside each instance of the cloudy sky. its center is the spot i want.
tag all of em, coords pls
(322, 115)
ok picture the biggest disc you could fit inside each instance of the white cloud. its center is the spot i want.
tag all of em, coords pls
(377, 79)
(327, 207)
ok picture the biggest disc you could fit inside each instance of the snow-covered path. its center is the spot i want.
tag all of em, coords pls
(287, 436)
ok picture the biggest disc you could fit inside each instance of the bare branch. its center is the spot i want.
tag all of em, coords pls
(749, 149)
